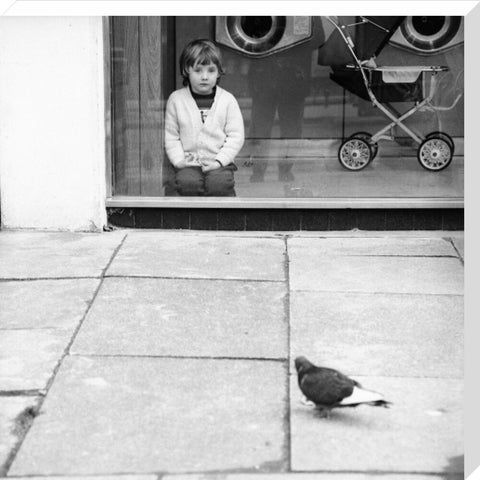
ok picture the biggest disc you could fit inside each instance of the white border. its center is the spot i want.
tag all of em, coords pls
(199, 7)
(472, 256)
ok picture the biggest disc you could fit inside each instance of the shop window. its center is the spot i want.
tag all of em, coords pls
(297, 112)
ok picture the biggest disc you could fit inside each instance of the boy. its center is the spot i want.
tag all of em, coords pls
(203, 125)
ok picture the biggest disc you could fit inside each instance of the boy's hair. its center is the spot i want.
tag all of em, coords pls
(200, 51)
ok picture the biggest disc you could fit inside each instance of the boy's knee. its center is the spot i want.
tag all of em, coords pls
(220, 183)
(189, 182)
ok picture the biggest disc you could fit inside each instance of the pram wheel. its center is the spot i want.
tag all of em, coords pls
(366, 136)
(354, 154)
(445, 136)
(435, 153)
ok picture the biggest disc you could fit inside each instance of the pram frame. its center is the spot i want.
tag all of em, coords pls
(398, 118)
(395, 117)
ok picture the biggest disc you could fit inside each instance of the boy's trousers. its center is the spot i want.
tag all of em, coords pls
(191, 181)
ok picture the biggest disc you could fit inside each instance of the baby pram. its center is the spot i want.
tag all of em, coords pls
(354, 68)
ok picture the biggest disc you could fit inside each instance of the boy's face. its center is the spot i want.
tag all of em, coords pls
(203, 78)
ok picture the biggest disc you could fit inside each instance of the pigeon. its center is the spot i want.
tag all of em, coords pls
(328, 388)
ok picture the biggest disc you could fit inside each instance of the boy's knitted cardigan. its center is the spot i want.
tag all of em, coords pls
(221, 136)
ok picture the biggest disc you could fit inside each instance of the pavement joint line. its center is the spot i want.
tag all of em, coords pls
(22, 393)
(95, 475)
(181, 357)
(234, 471)
(114, 254)
(288, 414)
(357, 255)
(13, 452)
(360, 292)
(213, 233)
(459, 255)
(393, 473)
(154, 277)
(259, 473)
(20, 329)
(253, 473)
(39, 279)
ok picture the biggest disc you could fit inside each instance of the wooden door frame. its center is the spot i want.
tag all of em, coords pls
(107, 83)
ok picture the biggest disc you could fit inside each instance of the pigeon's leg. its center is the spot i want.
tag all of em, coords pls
(323, 412)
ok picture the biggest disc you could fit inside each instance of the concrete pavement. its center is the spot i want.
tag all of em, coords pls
(169, 354)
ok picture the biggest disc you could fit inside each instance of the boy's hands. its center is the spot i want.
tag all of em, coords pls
(193, 160)
(190, 160)
(209, 164)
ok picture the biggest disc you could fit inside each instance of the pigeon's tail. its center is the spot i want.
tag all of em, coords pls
(361, 396)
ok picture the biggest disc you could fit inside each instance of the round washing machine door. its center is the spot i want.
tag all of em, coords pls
(261, 36)
(256, 34)
(429, 35)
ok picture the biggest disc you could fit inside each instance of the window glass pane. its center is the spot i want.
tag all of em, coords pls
(296, 115)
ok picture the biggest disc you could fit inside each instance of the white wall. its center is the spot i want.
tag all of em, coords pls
(52, 134)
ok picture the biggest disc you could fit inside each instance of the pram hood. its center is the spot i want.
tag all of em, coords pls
(370, 37)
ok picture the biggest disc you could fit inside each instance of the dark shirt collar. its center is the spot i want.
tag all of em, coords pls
(199, 95)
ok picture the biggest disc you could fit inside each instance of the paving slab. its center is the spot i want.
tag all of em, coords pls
(200, 256)
(140, 415)
(45, 303)
(55, 254)
(29, 357)
(379, 334)
(371, 246)
(422, 431)
(11, 410)
(178, 317)
(376, 274)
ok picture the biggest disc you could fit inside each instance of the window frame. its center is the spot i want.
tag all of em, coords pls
(119, 201)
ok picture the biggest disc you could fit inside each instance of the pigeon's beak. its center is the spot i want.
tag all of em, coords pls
(302, 364)
(299, 363)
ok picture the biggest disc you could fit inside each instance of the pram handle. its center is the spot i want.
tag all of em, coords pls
(403, 68)
(411, 68)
